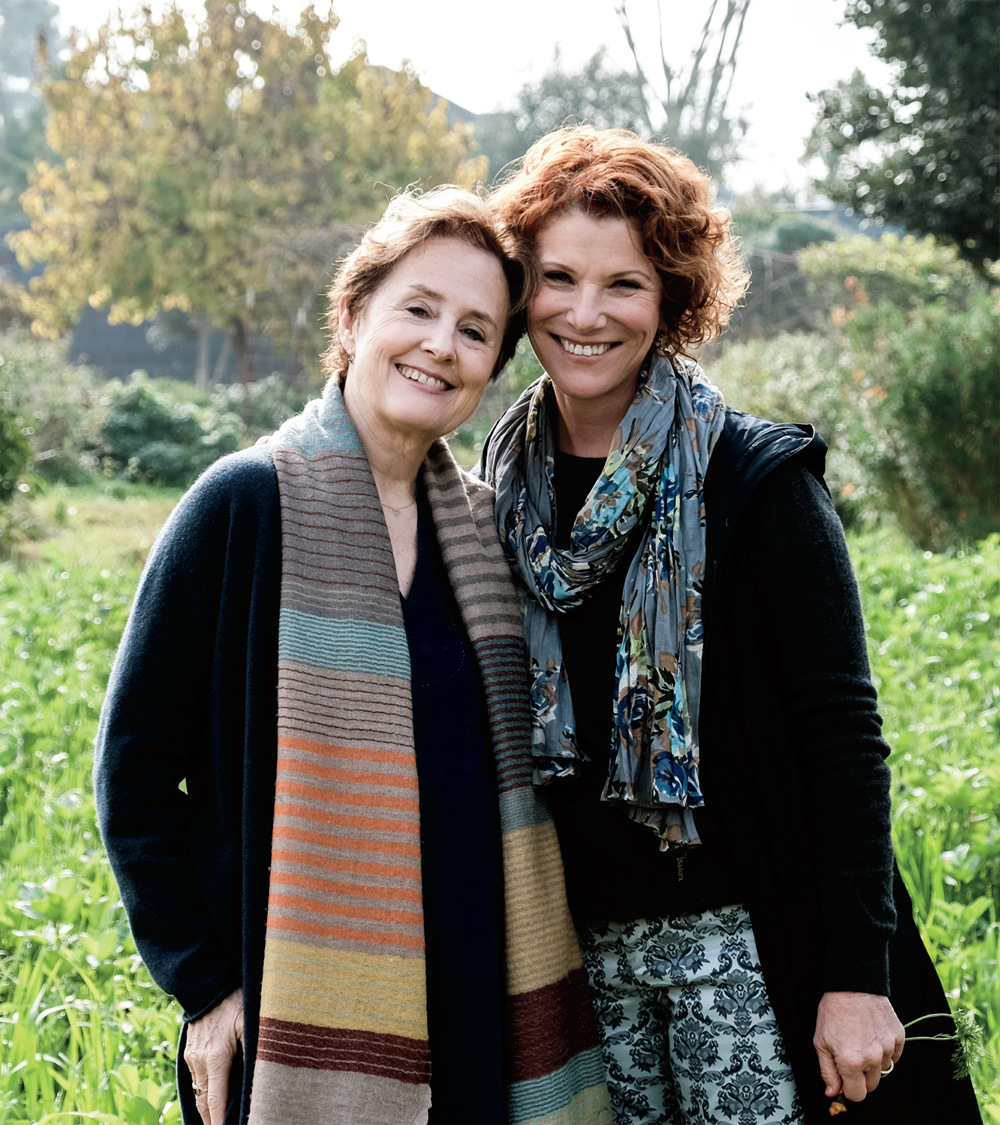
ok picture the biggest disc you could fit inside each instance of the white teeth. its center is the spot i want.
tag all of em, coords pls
(416, 376)
(583, 349)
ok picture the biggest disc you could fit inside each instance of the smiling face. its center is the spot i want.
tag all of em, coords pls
(426, 342)
(596, 314)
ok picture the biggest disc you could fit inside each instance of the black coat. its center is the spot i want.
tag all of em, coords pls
(817, 869)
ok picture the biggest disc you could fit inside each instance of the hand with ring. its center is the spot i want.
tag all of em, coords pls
(858, 1040)
(209, 1049)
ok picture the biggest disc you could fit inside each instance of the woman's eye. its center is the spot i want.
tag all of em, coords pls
(417, 310)
(625, 283)
(560, 277)
(475, 334)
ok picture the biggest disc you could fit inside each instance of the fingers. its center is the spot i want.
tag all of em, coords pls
(857, 1076)
(219, 1066)
(858, 1041)
(210, 1079)
(828, 1071)
(200, 1084)
(210, 1045)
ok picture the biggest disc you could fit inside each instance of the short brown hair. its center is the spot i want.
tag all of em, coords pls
(613, 173)
(412, 218)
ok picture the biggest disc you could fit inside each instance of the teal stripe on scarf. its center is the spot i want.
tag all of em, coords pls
(343, 646)
(538, 1097)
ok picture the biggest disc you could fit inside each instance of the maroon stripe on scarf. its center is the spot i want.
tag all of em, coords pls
(362, 1052)
(548, 1026)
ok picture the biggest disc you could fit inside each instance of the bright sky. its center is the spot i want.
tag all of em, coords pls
(479, 55)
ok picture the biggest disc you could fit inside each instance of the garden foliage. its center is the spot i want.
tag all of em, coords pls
(55, 404)
(82, 1027)
(74, 426)
(84, 1030)
(902, 383)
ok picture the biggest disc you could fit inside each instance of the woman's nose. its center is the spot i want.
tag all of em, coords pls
(440, 339)
(585, 310)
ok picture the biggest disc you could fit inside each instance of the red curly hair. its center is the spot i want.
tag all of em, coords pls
(612, 173)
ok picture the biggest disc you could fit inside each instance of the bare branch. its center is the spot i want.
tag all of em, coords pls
(644, 83)
(718, 68)
(697, 95)
(691, 89)
(724, 101)
(668, 71)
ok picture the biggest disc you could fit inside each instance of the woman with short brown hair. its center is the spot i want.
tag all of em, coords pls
(312, 772)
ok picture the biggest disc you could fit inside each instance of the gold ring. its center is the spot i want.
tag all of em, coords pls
(892, 1067)
(199, 1090)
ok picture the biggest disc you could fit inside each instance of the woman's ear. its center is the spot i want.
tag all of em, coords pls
(345, 326)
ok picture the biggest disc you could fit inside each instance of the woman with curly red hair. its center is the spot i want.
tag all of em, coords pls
(703, 713)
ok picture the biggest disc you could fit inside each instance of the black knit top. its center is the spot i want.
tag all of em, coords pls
(614, 868)
(460, 853)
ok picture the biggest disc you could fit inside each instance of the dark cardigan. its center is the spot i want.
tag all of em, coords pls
(816, 871)
(204, 631)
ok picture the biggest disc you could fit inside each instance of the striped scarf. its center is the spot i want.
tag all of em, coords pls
(343, 1024)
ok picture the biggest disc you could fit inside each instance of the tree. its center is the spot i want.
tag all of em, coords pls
(691, 112)
(296, 268)
(28, 35)
(694, 100)
(925, 154)
(188, 145)
(600, 94)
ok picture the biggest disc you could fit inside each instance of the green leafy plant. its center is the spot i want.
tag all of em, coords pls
(902, 385)
(905, 271)
(15, 453)
(58, 401)
(967, 1037)
(924, 414)
(82, 1028)
(931, 621)
(148, 437)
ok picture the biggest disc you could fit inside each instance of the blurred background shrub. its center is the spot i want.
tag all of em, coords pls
(146, 435)
(64, 423)
(900, 378)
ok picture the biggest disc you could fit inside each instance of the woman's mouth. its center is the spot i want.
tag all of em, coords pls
(584, 349)
(416, 376)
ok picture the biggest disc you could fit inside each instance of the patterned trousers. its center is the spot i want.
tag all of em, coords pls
(687, 1028)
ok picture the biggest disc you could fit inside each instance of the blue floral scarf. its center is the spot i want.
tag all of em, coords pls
(659, 457)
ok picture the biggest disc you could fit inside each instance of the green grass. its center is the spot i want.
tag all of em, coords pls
(932, 630)
(84, 1034)
(82, 1028)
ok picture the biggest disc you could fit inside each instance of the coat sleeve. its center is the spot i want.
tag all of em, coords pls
(168, 760)
(816, 645)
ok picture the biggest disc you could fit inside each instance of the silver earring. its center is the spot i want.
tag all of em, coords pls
(662, 344)
(350, 359)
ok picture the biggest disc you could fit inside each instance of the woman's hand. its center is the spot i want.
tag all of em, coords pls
(857, 1038)
(208, 1052)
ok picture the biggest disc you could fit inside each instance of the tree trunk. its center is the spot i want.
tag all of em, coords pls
(238, 342)
(222, 363)
(204, 337)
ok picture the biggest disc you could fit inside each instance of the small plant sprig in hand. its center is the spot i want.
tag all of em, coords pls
(968, 1037)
